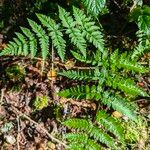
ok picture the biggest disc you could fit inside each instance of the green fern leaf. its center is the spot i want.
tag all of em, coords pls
(143, 46)
(9, 50)
(80, 75)
(81, 58)
(127, 64)
(80, 124)
(144, 20)
(19, 47)
(82, 139)
(74, 33)
(32, 41)
(101, 136)
(94, 6)
(110, 124)
(120, 104)
(93, 131)
(43, 38)
(23, 43)
(90, 30)
(55, 33)
(81, 92)
(75, 146)
(128, 86)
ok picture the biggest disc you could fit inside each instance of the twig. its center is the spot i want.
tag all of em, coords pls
(40, 59)
(18, 135)
(133, 6)
(39, 126)
(2, 96)
(73, 67)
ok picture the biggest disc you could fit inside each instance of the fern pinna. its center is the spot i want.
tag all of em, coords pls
(105, 76)
(89, 135)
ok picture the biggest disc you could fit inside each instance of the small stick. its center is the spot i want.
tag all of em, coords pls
(73, 67)
(18, 135)
(2, 96)
(133, 6)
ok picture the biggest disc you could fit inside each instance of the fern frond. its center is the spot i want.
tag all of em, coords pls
(90, 30)
(19, 46)
(32, 41)
(91, 144)
(94, 6)
(80, 124)
(43, 38)
(101, 136)
(120, 104)
(74, 33)
(128, 86)
(13, 48)
(143, 45)
(81, 58)
(79, 75)
(110, 124)
(24, 43)
(82, 139)
(76, 137)
(127, 64)
(114, 57)
(75, 146)
(81, 92)
(55, 33)
(93, 131)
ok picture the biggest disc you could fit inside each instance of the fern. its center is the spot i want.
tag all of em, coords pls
(120, 104)
(80, 75)
(110, 124)
(128, 86)
(94, 6)
(126, 63)
(43, 38)
(74, 33)
(90, 30)
(32, 41)
(86, 130)
(107, 83)
(55, 33)
(143, 45)
(81, 92)
(142, 17)
(25, 45)
(93, 131)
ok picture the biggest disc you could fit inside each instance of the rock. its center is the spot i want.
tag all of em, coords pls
(10, 139)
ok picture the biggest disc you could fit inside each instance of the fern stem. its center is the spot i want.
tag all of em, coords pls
(52, 57)
(73, 67)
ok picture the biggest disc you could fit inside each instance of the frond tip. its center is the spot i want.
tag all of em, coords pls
(94, 6)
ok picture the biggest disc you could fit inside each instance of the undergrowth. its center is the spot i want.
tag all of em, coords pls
(107, 77)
